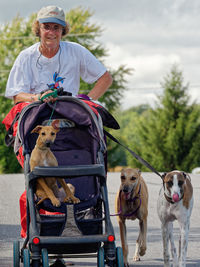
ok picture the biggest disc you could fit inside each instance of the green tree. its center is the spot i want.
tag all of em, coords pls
(127, 120)
(168, 136)
(116, 154)
(17, 35)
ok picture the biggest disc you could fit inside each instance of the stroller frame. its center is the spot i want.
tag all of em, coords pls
(40, 246)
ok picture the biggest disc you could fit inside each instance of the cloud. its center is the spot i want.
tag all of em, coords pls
(137, 97)
(151, 39)
(148, 68)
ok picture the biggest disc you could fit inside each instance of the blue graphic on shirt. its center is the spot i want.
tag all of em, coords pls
(56, 79)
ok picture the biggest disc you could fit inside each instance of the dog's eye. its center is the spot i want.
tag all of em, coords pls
(180, 183)
(133, 178)
(52, 133)
(43, 133)
(170, 183)
(122, 177)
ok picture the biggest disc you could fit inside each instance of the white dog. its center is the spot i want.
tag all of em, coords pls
(175, 202)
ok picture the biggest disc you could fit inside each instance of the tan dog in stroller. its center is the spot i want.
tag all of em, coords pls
(43, 156)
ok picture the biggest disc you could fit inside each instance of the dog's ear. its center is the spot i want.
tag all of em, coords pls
(163, 175)
(37, 129)
(55, 124)
(186, 175)
(122, 170)
(139, 171)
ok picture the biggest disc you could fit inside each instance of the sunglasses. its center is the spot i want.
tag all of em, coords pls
(47, 27)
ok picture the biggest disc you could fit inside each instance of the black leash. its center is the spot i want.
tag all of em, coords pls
(144, 162)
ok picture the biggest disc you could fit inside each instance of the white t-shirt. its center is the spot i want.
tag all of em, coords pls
(32, 71)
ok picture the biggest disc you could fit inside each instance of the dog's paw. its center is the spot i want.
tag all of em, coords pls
(76, 200)
(67, 200)
(136, 258)
(73, 200)
(142, 251)
(55, 202)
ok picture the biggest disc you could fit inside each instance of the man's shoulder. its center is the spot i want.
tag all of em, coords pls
(71, 45)
(30, 50)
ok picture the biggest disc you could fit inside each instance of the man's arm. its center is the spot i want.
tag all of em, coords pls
(25, 97)
(101, 86)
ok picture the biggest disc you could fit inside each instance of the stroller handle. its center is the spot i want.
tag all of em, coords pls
(68, 171)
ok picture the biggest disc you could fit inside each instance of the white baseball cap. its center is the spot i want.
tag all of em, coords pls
(51, 14)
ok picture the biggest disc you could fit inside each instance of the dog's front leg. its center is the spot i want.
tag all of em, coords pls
(184, 227)
(141, 241)
(165, 236)
(137, 249)
(122, 228)
(49, 193)
(173, 248)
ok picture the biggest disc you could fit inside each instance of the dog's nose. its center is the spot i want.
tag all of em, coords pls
(48, 143)
(125, 189)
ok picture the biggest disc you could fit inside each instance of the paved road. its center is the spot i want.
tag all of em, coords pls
(11, 187)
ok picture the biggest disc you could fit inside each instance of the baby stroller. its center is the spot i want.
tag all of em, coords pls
(80, 150)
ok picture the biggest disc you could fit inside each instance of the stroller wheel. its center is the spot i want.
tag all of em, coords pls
(45, 260)
(100, 257)
(26, 257)
(16, 254)
(119, 257)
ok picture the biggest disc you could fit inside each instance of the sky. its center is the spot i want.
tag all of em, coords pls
(148, 36)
